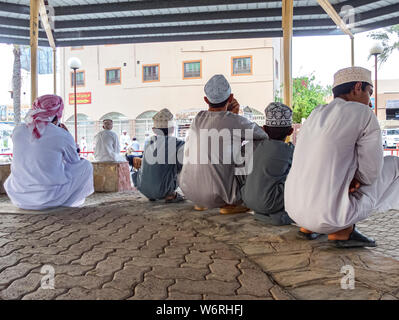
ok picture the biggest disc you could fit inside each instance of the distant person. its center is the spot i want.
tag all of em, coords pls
(46, 170)
(209, 177)
(106, 144)
(136, 148)
(133, 152)
(157, 178)
(263, 191)
(124, 139)
(83, 147)
(339, 175)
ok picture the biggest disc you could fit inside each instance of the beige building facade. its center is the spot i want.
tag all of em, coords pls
(130, 82)
(388, 103)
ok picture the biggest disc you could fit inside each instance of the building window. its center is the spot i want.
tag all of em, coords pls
(80, 78)
(113, 76)
(241, 66)
(77, 48)
(150, 72)
(192, 69)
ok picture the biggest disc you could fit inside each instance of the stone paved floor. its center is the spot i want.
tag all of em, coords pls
(121, 246)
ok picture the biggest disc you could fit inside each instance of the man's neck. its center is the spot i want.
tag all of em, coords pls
(217, 109)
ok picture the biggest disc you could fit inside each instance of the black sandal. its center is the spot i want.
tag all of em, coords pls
(356, 240)
(177, 198)
(308, 236)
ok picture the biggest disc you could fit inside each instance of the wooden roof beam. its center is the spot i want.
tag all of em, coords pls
(46, 23)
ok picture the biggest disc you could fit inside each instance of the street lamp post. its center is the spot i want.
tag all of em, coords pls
(375, 51)
(74, 64)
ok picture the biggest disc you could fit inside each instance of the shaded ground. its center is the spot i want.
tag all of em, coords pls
(121, 246)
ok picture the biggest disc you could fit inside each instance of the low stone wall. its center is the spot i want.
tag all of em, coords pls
(111, 176)
(108, 176)
(5, 170)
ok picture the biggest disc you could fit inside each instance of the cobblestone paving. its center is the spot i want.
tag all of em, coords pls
(120, 246)
(384, 227)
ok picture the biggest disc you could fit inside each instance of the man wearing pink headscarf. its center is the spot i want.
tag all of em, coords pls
(46, 170)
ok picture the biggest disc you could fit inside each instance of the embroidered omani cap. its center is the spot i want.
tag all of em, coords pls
(352, 74)
(217, 89)
(163, 119)
(278, 115)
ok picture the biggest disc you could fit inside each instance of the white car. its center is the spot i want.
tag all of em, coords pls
(390, 138)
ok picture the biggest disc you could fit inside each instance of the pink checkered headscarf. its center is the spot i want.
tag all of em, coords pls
(43, 111)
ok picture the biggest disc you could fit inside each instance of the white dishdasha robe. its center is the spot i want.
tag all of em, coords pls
(338, 142)
(47, 172)
(107, 147)
(216, 183)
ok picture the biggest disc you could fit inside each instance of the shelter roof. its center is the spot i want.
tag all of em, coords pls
(94, 22)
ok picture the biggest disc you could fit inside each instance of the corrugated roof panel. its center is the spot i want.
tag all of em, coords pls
(173, 34)
(12, 27)
(12, 15)
(366, 11)
(382, 18)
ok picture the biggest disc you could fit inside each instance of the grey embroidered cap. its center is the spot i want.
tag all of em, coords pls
(163, 119)
(278, 115)
(352, 74)
(217, 89)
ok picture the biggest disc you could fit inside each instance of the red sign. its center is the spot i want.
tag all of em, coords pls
(82, 98)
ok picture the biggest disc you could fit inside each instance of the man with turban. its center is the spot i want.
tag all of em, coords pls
(46, 170)
(339, 175)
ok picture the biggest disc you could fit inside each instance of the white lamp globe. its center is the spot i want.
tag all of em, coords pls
(74, 63)
(376, 49)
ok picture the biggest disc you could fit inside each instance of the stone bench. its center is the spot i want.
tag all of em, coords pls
(5, 170)
(111, 176)
(108, 176)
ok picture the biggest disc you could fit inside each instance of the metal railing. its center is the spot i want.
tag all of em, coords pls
(392, 152)
(82, 152)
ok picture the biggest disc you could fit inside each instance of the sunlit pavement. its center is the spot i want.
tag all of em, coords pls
(121, 246)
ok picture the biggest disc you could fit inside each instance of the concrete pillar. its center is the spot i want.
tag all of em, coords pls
(34, 37)
(287, 15)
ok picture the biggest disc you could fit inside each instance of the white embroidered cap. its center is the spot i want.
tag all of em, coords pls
(278, 115)
(352, 74)
(217, 89)
(163, 119)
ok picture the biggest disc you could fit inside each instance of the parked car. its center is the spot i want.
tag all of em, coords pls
(390, 138)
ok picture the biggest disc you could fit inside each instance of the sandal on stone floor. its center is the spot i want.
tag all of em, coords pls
(308, 235)
(356, 240)
(177, 198)
(230, 209)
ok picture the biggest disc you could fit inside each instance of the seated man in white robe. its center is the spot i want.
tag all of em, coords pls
(46, 170)
(106, 144)
(213, 171)
(339, 175)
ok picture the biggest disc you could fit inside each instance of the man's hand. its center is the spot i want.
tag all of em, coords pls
(234, 106)
(354, 186)
(61, 125)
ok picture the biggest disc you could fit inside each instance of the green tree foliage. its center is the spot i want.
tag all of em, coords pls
(389, 40)
(307, 95)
